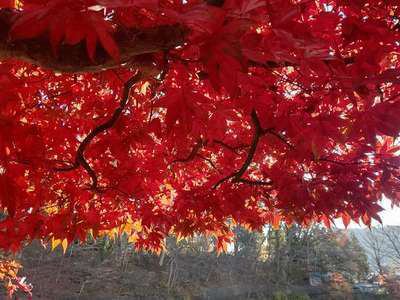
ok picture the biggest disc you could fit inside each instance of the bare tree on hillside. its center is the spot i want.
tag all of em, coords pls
(392, 234)
(373, 241)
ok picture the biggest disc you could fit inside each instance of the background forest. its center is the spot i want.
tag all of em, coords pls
(278, 263)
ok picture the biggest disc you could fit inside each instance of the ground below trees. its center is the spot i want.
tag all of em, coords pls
(104, 271)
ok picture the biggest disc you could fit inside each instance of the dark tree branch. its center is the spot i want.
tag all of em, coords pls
(80, 160)
(255, 182)
(234, 149)
(208, 160)
(237, 176)
(258, 131)
(133, 45)
(192, 154)
(218, 3)
(279, 136)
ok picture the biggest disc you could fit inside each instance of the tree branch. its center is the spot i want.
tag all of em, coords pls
(192, 154)
(253, 147)
(255, 182)
(279, 136)
(237, 176)
(209, 161)
(133, 44)
(234, 149)
(80, 160)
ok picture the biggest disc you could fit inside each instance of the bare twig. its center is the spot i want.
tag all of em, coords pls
(209, 161)
(279, 136)
(192, 154)
(234, 149)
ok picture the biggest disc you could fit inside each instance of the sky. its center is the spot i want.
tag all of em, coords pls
(389, 216)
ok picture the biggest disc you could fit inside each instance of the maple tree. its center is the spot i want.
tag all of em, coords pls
(158, 116)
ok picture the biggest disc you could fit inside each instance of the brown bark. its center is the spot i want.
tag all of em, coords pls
(133, 44)
(80, 159)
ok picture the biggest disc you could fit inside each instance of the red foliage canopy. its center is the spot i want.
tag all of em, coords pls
(188, 115)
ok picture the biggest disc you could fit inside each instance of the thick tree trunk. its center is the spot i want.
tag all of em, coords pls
(133, 44)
